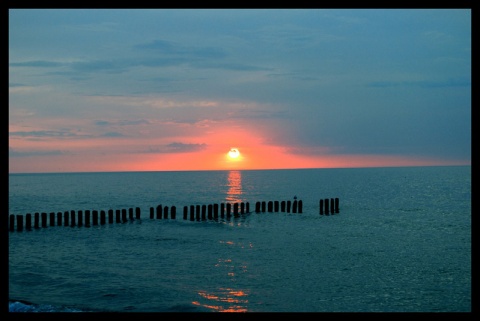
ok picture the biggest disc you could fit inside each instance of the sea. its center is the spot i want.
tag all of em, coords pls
(400, 241)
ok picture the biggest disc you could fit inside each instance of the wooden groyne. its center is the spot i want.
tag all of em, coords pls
(88, 218)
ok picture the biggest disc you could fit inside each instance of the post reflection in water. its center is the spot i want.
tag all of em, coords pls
(234, 193)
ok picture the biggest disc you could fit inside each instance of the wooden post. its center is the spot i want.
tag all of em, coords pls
(337, 201)
(95, 217)
(124, 215)
(282, 206)
(80, 217)
(215, 211)
(87, 218)
(110, 216)
(275, 205)
(294, 206)
(44, 219)
(222, 210)
(229, 208)
(19, 222)
(52, 219)
(242, 208)
(321, 207)
(37, 220)
(289, 205)
(130, 213)
(185, 212)
(300, 206)
(248, 207)
(192, 212)
(159, 212)
(332, 205)
(59, 218)
(137, 213)
(204, 212)
(326, 206)
(235, 209)
(257, 207)
(264, 206)
(270, 206)
(210, 211)
(165, 212)
(197, 212)
(72, 217)
(66, 216)
(102, 217)
(173, 212)
(28, 221)
(152, 212)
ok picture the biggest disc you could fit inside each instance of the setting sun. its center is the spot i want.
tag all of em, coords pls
(233, 153)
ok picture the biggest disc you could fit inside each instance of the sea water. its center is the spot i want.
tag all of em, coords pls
(401, 242)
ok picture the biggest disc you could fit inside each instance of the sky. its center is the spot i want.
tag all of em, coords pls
(94, 90)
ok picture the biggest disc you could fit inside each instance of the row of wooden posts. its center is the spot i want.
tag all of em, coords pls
(197, 212)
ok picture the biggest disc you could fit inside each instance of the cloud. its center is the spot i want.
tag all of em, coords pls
(422, 83)
(33, 153)
(176, 147)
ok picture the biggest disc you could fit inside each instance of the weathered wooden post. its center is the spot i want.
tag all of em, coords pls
(36, 220)
(210, 211)
(294, 206)
(72, 217)
(192, 212)
(204, 212)
(137, 213)
(257, 207)
(44, 219)
(248, 207)
(264, 206)
(124, 215)
(282, 206)
(173, 212)
(52, 219)
(222, 210)
(235, 209)
(110, 216)
(289, 205)
(95, 217)
(59, 218)
(332, 205)
(321, 207)
(130, 213)
(165, 212)
(197, 212)
(87, 218)
(275, 205)
(300, 206)
(327, 207)
(152, 212)
(215, 211)
(159, 211)
(270, 206)
(229, 208)
(66, 216)
(118, 216)
(102, 217)
(19, 222)
(28, 221)
(337, 201)
(242, 208)
(185, 212)
(80, 217)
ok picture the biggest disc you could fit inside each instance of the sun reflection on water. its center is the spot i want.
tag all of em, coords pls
(234, 193)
